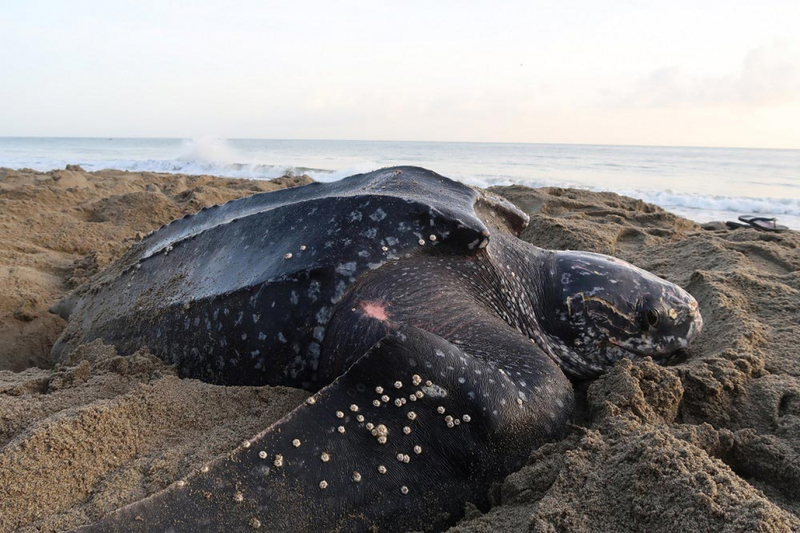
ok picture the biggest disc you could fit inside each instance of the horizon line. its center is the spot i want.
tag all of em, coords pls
(112, 137)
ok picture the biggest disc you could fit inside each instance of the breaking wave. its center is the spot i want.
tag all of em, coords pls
(773, 206)
(670, 200)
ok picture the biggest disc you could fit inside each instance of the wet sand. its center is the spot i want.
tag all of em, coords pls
(710, 444)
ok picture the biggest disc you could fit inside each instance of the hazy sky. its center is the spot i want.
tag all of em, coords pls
(700, 72)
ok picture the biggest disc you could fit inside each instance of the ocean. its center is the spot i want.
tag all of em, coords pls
(701, 184)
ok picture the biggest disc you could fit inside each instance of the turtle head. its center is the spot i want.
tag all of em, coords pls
(602, 309)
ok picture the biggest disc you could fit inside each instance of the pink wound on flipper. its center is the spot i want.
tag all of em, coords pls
(376, 310)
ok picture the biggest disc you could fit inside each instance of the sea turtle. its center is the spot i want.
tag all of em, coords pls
(435, 342)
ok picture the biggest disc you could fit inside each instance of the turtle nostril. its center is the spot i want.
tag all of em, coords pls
(649, 319)
(652, 318)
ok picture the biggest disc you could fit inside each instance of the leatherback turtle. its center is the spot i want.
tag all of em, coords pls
(435, 341)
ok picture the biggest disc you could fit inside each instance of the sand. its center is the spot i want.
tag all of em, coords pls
(710, 444)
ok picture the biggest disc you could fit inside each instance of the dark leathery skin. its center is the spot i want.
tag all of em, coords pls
(436, 342)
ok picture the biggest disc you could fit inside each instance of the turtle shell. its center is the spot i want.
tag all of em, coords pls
(241, 293)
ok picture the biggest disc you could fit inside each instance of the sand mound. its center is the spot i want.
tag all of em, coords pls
(711, 443)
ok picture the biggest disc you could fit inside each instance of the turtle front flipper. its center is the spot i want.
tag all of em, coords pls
(412, 431)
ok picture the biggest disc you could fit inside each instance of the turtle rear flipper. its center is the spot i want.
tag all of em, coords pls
(400, 441)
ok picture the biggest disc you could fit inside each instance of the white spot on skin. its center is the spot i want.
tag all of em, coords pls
(346, 269)
(339, 414)
(287, 255)
(323, 484)
(404, 489)
(278, 462)
(262, 454)
(238, 497)
(417, 450)
(434, 391)
(356, 477)
(296, 443)
(382, 469)
(324, 457)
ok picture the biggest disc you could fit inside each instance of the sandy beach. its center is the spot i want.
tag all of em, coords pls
(709, 444)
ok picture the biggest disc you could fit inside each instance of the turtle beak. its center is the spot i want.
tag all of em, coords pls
(665, 341)
(686, 318)
(696, 321)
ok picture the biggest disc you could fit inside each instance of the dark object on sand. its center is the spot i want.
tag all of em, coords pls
(437, 341)
(759, 223)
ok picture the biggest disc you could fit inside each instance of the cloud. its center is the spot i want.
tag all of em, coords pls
(769, 76)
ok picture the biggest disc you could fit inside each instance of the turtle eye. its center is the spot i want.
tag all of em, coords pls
(649, 319)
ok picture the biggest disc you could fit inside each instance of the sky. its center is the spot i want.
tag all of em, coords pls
(686, 73)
